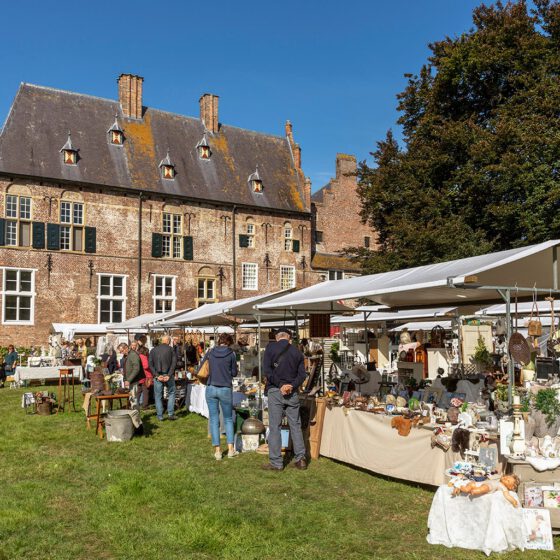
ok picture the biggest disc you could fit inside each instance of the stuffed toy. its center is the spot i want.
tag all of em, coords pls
(460, 440)
(402, 424)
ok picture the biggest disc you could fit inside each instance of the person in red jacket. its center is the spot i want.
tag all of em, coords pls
(145, 384)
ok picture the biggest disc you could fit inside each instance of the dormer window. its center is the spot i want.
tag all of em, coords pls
(115, 133)
(203, 148)
(255, 181)
(167, 167)
(69, 153)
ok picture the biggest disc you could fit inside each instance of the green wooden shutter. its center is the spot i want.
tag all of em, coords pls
(188, 248)
(295, 245)
(91, 240)
(157, 245)
(38, 236)
(2, 231)
(53, 237)
(243, 240)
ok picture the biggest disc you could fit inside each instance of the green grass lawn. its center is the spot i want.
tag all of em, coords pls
(67, 495)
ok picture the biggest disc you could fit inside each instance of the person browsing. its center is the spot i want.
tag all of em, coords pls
(162, 363)
(284, 369)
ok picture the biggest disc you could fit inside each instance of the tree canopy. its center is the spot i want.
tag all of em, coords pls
(479, 170)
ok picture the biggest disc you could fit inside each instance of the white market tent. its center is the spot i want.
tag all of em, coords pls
(70, 330)
(447, 283)
(523, 308)
(384, 316)
(142, 323)
(221, 313)
(425, 326)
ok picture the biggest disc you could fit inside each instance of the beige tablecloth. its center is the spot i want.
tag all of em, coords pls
(26, 373)
(367, 440)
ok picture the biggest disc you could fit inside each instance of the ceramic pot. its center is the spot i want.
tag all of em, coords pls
(252, 426)
(527, 375)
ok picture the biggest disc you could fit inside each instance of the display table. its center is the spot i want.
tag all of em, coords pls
(198, 400)
(367, 440)
(488, 523)
(27, 373)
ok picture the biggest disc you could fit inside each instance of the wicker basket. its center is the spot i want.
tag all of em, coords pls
(519, 348)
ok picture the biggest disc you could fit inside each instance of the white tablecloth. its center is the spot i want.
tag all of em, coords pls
(488, 523)
(26, 373)
(198, 400)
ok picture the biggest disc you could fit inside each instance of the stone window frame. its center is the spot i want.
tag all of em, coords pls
(16, 221)
(250, 232)
(18, 293)
(164, 298)
(288, 237)
(367, 241)
(111, 297)
(291, 269)
(334, 272)
(172, 241)
(203, 280)
(249, 276)
(69, 229)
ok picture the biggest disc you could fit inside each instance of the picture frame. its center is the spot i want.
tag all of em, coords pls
(537, 531)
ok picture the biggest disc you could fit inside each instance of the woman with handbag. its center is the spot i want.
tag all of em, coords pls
(219, 367)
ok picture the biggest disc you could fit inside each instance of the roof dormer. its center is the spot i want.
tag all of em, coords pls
(69, 152)
(167, 167)
(255, 181)
(203, 149)
(116, 134)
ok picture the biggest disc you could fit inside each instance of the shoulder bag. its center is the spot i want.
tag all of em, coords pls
(203, 373)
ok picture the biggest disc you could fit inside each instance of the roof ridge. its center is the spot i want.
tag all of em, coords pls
(68, 92)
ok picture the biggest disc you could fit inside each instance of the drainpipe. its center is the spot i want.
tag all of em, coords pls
(139, 296)
(234, 273)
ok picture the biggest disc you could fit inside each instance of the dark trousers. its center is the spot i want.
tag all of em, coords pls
(277, 405)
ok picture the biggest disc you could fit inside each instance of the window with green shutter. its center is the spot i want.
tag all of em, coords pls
(157, 245)
(188, 248)
(243, 240)
(53, 237)
(2, 231)
(38, 235)
(295, 245)
(90, 239)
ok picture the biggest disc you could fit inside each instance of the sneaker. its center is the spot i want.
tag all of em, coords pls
(172, 418)
(160, 418)
(218, 455)
(232, 454)
(301, 464)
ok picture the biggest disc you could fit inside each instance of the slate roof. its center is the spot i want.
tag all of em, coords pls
(40, 118)
(317, 196)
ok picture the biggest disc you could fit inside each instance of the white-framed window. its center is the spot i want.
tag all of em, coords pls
(250, 276)
(164, 293)
(71, 226)
(336, 275)
(172, 238)
(18, 296)
(250, 234)
(112, 298)
(206, 290)
(18, 220)
(287, 277)
(288, 237)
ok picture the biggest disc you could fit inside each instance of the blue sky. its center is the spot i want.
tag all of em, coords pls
(332, 68)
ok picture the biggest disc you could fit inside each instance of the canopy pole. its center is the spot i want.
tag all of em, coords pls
(511, 371)
(260, 361)
(555, 267)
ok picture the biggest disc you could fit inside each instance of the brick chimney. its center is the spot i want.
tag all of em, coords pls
(345, 164)
(297, 155)
(307, 192)
(209, 112)
(289, 132)
(130, 95)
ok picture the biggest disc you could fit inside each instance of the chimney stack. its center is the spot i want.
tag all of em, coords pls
(289, 132)
(130, 95)
(345, 165)
(209, 112)
(307, 192)
(297, 155)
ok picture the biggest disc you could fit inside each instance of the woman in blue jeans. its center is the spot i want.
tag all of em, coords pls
(219, 392)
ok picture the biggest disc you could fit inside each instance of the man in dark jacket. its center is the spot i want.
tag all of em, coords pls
(133, 371)
(162, 365)
(284, 370)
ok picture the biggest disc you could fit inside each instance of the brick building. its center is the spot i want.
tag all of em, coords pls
(109, 209)
(336, 222)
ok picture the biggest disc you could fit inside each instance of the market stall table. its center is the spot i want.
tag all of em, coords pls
(28, 373)
(367, 440)
(198, 400)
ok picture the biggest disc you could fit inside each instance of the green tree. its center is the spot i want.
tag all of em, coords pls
(480, 167)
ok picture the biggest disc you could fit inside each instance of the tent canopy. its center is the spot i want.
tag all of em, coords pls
(424, 326)
(71, 330)
(143, 322)
(221, 313)
(385, 316)
(447, 283)
(522, 307)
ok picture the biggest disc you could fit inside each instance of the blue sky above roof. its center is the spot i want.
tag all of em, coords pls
(333, 69)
